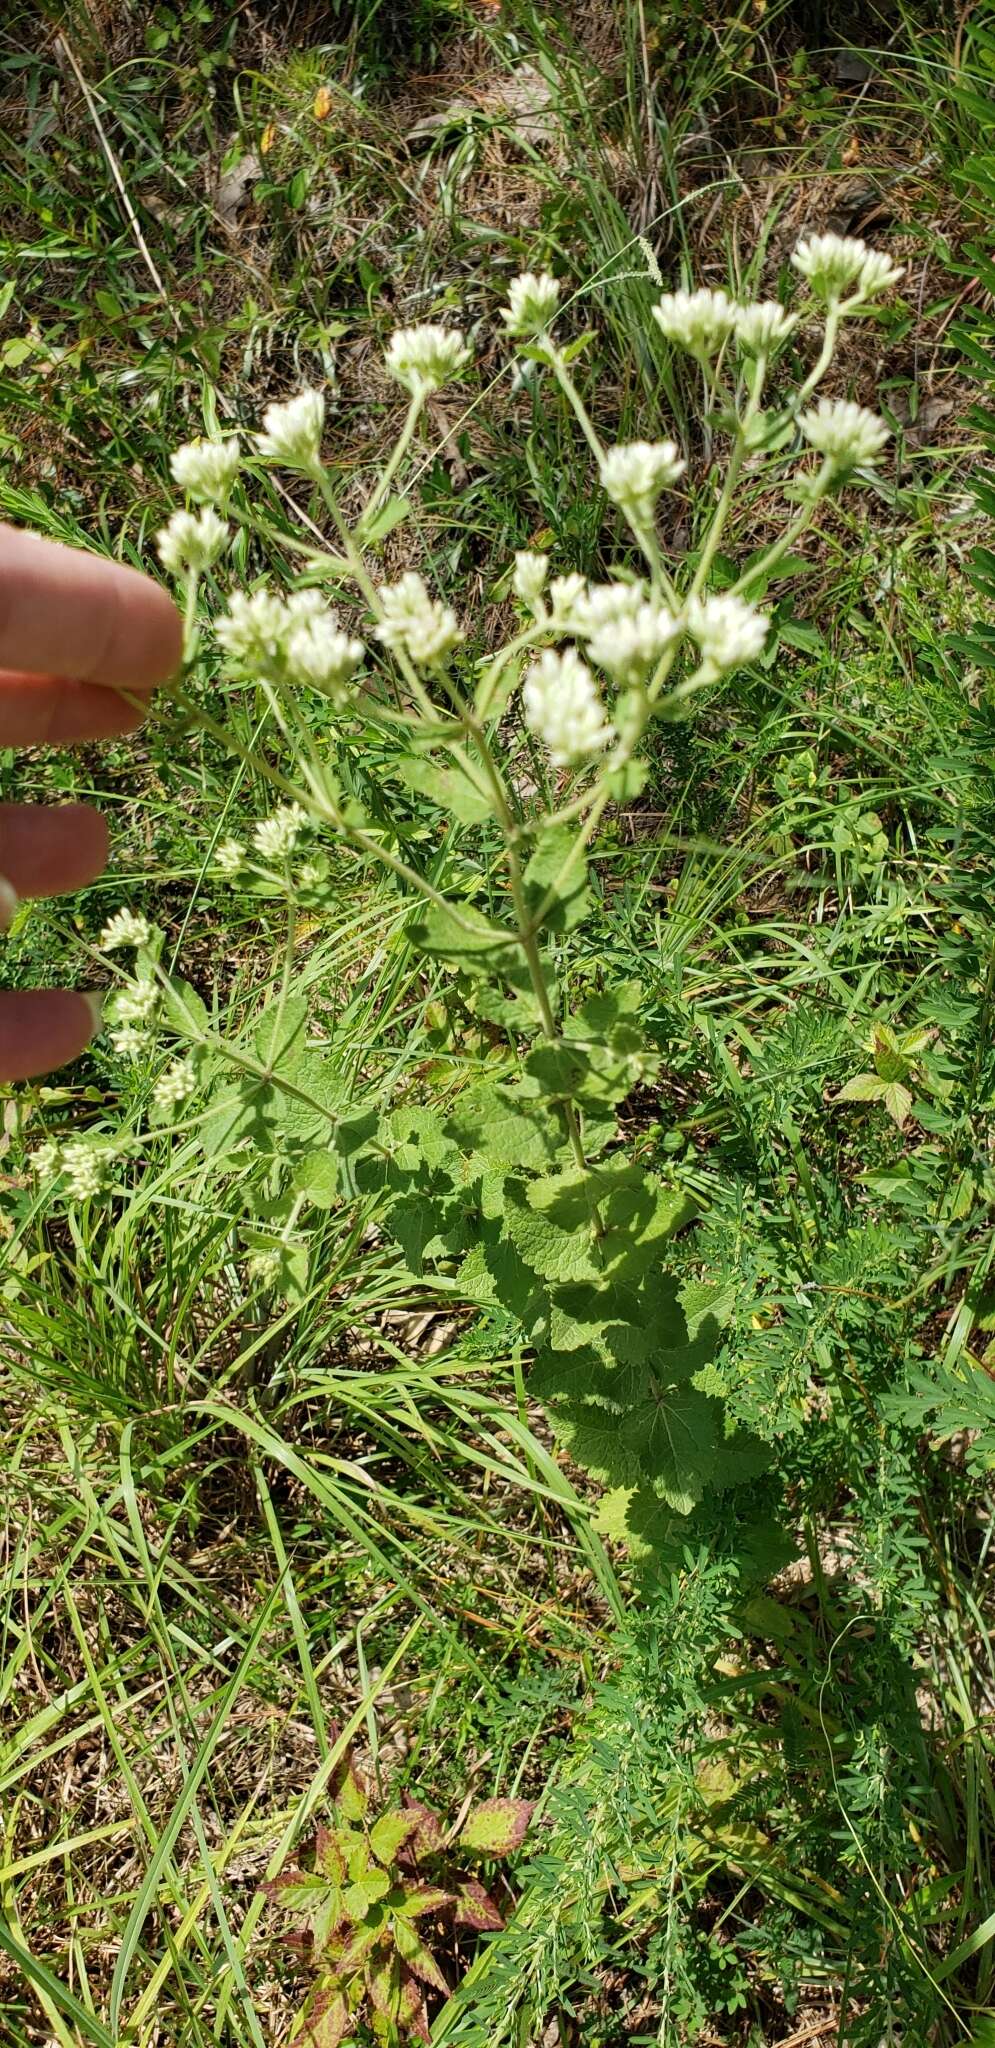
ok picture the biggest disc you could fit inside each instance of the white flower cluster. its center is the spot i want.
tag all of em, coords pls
(229, 857)
(275, 837)
(762, 326)
(845, 433)
(529, 579)
(835, 265)
(125, 928)
(131, 1013)
(634, 475)
(424, 628)
(702, 321)
(698, 321)
(137, 1002)
(297, 639)
(206, 470)
(425, 358)
(533, 300)
(567, 595)
(292, 430)
(175, 1085)
(81, 1163)
(728, 631)
(631, 647)
(562, 706)
(192, 541)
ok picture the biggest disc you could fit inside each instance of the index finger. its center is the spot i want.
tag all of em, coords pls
(67, 613)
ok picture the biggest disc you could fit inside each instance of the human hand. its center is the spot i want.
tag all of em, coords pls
(75, 630)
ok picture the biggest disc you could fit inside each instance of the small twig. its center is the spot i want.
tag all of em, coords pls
(114, 168)
(809, 2033)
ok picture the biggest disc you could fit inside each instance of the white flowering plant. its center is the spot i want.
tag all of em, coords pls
(521, 1189)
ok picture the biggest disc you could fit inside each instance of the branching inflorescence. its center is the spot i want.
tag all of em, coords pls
(583, 672)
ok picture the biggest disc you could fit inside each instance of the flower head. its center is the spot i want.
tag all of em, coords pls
(320, 653)
(529, 579)
(174, 1085)
(424, 358)
(834, 263)
(44, 1160)
(728, 631)
(206, 470)
(698, 321)
(276, 837)
(292, 431)
(136, 1002)
(846, 434)
(426, 629)
(125, 928)
(130, 1041)
(634, 475)
(229, 857)
(567, 595)
(605, 604)
(562, 705)
(84, 1166)
(532, 303)
(192, 541)
(252, 631)
(762, 326)
(632, 646)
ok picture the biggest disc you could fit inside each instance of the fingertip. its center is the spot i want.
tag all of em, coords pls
(42, 1029)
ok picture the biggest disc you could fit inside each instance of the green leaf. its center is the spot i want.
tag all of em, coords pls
(898, 1102)
(863, 1088)
(890, 1064)
(467, 939)
(559, 863)
(504, 1127)
(554, 1222)
(497, 1826)
(627, 782)
(317, 1178)
(392, 514)
(454, 788)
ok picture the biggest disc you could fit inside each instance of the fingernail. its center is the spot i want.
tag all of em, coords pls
(95, 1005)
(8, 904)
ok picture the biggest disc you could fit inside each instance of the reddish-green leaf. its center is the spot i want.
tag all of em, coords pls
(417, 1957)
(383, 1982)
(428, 1835)
(497, 1826)
(475, 1907)
(326, 2018)
(423, 1898)
(412, 2011)
(359, 1897)
(358, 1944)
(389, 1833)
(328, 1856)
(351, 1796)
